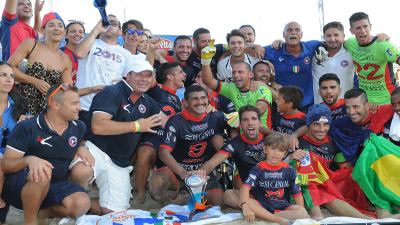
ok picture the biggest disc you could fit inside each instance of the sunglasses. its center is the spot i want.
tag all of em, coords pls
(133, 31)
(65, 87)
(5, 133)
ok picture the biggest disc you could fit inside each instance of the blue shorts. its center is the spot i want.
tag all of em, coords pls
(58, 190)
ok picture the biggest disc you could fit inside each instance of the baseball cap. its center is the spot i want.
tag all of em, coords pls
(49, 16)
(138, 66)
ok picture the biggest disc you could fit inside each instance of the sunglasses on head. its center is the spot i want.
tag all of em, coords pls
(64, 86)
(76, 21)
(5, 133)
(134, 31)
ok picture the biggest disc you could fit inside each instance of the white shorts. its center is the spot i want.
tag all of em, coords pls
(113, 181)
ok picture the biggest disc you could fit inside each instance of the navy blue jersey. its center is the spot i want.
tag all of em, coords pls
(325, 148)
(169, 103)
(288, 124)
(272, 186)
(194, 61)
(34, 138)
(115, 101)
(221, 103)
(245, 153)
(188, 138)
(338, 109)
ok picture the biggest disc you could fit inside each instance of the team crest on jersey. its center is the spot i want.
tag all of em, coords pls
(344, 63)
(307, 60)
(296, 69)
(72, 141)
(142, 108)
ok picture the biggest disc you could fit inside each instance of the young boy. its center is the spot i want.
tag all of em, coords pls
(289, 118)
(272, 182)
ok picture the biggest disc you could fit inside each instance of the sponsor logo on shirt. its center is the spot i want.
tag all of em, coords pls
(199, 127)
(44, 141)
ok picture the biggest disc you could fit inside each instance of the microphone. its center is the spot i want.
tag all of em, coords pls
(101, 6)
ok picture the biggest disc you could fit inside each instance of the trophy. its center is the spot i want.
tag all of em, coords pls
(101, 6)
(196, 186)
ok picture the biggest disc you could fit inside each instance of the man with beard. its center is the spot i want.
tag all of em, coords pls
(249, 34)
(236, 43)
(239, 92)
(14, 25)
(190, 140)
(332, 57)
(245, 149)
(292, 62)
(329, 90)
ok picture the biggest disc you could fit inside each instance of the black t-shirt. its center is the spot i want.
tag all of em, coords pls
(115, 101)
(188, 138)
(245, 153)
(34, 138)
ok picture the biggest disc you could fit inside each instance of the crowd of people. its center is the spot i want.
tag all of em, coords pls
(94, 113)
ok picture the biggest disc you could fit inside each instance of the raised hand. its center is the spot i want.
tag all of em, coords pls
(207, 53)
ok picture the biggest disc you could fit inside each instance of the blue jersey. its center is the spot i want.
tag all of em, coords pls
(245, 153)
(288, 124)
(272, 186)
(115, 100)
(188, 138)
(296, 71)
(338, 109)
(34, 138)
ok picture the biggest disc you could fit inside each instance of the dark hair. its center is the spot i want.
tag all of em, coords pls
(164, 70)
(329, 76)
(182, 37)
(234, 33)
(60, 93)
(291, 94)
(249, 108)
(119, 22)
(194, 88)
(199, 31)
(248, 25)
(333, 24)
(137, 24)
(20, 103)
(355, 93)
(277, 140)
(358, 16)
(70, 25)
(396, 91)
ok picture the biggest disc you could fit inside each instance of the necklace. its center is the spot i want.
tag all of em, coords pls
(52, 127)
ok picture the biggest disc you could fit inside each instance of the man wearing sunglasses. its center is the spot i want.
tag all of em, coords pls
(37, 158)
(121, 117)
(132, 31)
(101, 61)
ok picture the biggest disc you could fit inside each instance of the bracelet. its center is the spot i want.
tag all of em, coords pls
(241, 204)
(137, 127)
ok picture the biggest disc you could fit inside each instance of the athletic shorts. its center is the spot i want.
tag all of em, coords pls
(58, 190)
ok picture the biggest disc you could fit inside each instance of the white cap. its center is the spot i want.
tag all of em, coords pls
(138, 66)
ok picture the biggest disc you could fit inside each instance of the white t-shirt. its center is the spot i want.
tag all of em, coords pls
(104, 65)
(340, 64)
(224, 68)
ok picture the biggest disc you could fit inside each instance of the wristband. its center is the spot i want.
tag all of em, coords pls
(137, 126)
(241, 204)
